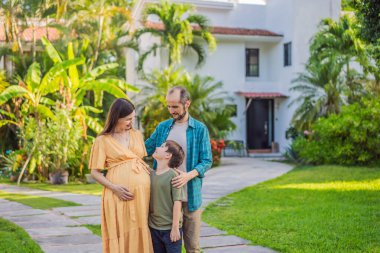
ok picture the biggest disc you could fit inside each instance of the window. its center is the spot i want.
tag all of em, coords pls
(232, 109)
(288, 54)
(251, 62)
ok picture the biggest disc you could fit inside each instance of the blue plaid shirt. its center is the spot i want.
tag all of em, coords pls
(198, 157)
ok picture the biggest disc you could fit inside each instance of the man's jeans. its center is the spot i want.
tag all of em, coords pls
(163, 244)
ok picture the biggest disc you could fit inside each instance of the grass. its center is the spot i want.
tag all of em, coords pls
(15, 240)
(35, 201)
(95, 229)
(310, 209)
(80, 188)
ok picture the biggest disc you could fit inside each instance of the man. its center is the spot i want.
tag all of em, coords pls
(194, 139)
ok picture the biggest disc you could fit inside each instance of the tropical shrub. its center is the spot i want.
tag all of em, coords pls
(349, 138)
(329, 80)
(52, 144)
(47, 106)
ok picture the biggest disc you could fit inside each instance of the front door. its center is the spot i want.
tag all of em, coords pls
(260, 124)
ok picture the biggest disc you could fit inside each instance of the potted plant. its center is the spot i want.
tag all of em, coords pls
(59, 177)
(90, 179)
(61, 141)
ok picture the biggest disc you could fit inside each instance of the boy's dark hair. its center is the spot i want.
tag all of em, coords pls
(177, 154)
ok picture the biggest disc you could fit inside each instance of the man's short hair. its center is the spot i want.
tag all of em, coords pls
(177, 154)
(184, 94)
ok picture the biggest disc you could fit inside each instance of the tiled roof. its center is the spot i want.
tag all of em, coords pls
(224, 30)
(27, 35)
(261, 94)
(243, 31)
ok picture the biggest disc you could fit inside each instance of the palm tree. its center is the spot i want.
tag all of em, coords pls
(320, 93)
(64, 83)
(35, 89)
(340, 39)
(152, 108)
(77, 85)
(61, 8)
(101, 23)
(181, 30)
(207, 101)
(209, 105)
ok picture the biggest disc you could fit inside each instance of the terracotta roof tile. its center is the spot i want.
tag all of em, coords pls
(243, 31)
(2, 32)
(27, 35)
(49, 32)
(224, 30)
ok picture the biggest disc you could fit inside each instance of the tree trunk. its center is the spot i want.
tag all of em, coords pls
(25, 165)
(17, 39)
(34, 44)
(100, 32)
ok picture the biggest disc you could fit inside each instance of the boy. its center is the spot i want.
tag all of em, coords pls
(165, 214)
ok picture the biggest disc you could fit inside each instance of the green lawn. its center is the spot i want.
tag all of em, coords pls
(95, 229)
(80, 188)
(15, 240)
(310, 209)
(36, 202)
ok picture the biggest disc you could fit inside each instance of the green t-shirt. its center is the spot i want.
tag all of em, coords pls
(162, 197)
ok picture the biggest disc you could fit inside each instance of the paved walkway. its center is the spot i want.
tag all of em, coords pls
(59, 229)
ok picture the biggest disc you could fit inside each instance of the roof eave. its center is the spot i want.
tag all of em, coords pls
(261, 95)
(203, 4)
(248, 38)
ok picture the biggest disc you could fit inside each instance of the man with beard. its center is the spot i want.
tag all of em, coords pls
(192, 135)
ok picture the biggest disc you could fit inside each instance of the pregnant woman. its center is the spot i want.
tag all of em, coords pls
(119, 149)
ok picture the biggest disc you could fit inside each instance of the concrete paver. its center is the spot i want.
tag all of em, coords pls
(221, 241)
(84, 248)
(239, 249)
(92, 220)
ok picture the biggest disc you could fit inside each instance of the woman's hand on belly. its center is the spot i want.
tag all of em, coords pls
(122, 192)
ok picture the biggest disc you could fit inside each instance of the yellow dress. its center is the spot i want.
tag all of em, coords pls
(124, 223)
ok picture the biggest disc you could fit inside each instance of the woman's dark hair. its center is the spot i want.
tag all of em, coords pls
(120, 108)
(177, 154)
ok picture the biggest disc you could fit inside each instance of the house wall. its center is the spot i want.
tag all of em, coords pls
(298, 21)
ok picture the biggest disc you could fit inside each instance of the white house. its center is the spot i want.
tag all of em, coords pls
(262, 45)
